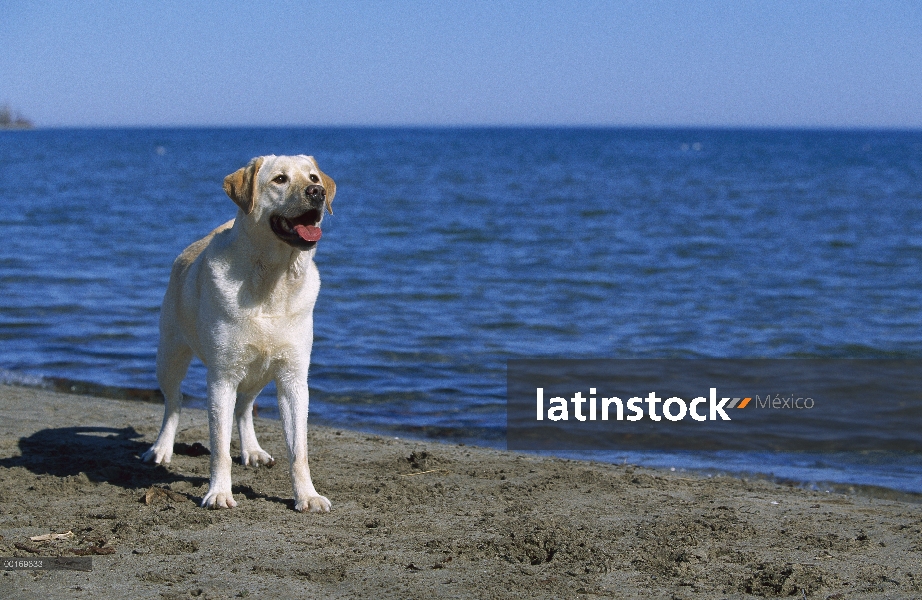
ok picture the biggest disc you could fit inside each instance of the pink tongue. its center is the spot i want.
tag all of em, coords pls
(308, 233)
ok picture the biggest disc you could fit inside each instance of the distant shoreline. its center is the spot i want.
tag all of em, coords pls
(10, 119)
(479, 128)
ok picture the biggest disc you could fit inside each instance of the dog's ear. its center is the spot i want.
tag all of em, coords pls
(330, 187)
(241, 184)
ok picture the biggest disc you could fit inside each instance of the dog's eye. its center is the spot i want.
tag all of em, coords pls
(280, 179)
(314, 178)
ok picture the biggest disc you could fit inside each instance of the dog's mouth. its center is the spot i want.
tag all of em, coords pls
(301, 231)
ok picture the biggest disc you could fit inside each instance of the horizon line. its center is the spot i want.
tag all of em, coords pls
(585, 127)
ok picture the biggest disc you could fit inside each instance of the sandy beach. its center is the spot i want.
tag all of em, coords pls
(415, 519)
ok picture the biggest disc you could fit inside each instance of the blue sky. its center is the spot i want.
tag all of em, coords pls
(749, 63)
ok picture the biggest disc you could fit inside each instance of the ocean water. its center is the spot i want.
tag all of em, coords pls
(454, 250)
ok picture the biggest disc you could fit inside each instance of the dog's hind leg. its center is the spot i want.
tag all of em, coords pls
(251, 454)
(173, 358)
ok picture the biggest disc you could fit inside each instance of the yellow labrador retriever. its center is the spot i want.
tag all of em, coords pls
(242, 300)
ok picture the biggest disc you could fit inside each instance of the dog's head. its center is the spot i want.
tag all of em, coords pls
(286, 194)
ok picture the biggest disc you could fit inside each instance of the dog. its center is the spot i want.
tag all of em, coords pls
(242, 299)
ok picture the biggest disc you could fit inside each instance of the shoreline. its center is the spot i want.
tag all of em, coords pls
(415, 519)
(440, 436)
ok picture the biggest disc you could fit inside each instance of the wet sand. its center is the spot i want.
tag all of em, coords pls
(416, 520)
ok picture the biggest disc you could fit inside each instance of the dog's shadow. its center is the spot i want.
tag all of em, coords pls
(107, 454)
(103, 454)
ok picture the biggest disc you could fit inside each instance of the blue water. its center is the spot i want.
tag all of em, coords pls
(453, 250)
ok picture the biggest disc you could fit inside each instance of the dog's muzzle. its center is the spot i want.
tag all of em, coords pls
(302, 231)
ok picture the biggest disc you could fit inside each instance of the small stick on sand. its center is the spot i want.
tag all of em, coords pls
(424, 472)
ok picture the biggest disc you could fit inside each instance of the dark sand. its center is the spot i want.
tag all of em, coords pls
(417, 520)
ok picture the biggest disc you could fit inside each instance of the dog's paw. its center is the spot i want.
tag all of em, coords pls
(216, 500)
(313, 504)
(256, 458)
(158, 455)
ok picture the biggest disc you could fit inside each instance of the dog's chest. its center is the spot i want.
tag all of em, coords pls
(287, 307)
(260, 342)
(268, 313)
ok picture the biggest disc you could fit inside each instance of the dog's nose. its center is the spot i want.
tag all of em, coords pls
(315, 192)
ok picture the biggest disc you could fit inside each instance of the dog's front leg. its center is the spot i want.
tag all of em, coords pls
(222, 396)
(293, 403)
